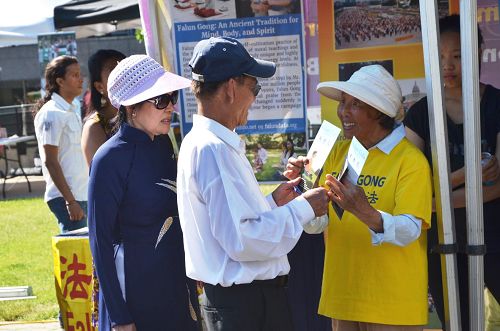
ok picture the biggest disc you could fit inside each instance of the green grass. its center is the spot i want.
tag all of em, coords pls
(26, 229)
(271, 166)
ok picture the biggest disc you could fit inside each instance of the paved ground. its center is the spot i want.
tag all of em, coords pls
(25, 326)
(18, 188)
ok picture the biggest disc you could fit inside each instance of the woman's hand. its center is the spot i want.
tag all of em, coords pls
(491, 170)
(295, 166)
(348, 196)
(352, 198)
(126, 327)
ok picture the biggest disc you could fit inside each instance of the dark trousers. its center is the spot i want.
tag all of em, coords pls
(491, 280)
(258, 306)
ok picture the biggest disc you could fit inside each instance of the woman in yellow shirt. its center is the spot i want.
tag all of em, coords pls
(375, 272)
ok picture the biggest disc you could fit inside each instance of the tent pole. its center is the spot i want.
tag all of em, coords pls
(439, 147)
(472, 145)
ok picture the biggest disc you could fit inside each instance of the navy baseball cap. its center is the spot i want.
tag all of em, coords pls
(220, 58)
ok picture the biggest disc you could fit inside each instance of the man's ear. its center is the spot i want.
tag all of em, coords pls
(230, 90)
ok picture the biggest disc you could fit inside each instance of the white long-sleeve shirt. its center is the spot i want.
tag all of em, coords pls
(232, 233)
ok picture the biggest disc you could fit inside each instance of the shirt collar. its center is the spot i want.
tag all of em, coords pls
(131, 134)
(63, 104)
(229, 137)
(387, 144)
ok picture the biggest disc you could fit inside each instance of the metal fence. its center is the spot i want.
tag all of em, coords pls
(17, 119)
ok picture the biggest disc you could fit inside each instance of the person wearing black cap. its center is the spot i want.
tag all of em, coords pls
(236, 240)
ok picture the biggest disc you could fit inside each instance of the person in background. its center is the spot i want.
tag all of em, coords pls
(236, 240)
(98, 121)
(262, 153)
(58, 128)
(288, 152)
(417, 131)
(375, 272)
(257, 161)
(134, 231)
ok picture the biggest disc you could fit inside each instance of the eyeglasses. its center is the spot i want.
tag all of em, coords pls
(256, 89)
(162, 101)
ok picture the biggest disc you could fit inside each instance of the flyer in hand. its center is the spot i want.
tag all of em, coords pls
(318, 153)
(356, 158)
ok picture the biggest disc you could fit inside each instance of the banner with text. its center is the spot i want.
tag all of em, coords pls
(73, 279)
(269, 32)
(488, 20)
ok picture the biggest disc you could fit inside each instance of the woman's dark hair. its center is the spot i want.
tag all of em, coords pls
(120, 118)
(451, 23)
(386, 122)
(54, 70)
(96, 63)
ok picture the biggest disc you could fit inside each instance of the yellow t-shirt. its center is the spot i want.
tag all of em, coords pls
(384, 284)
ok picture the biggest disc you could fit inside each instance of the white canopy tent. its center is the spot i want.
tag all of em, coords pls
(22, 20)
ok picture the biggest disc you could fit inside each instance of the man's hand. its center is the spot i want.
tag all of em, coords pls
(318, 199)
(295, 166)
(285, 192)
(75, 211)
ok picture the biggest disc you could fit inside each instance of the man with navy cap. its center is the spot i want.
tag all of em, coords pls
(235, 240)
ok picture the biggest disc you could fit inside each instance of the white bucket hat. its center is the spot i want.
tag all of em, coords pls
(138, 78)
(371, 84)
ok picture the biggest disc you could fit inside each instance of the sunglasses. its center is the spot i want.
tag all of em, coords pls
(162, 101)
(256, 89)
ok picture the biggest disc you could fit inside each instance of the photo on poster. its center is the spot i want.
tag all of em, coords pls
(269, 153)
(347, 69)
(412, 91)
(370, 23)
(257, 8)
(52, 45)
(189, 10)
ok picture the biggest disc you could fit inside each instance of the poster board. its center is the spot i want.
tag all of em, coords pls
(389, 35)
(275, 33)
(399, 48)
